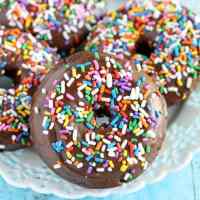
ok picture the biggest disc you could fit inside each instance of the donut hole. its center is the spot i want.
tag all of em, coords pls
(6, 82)
(102, 116)
(145, 44)
(13, 75)
(143, 47)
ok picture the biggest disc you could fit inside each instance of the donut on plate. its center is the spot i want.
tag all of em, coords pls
(154, 33)
(97, 122)
(23, 64)
(64, 24)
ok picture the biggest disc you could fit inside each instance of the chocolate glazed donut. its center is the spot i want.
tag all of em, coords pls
(96, 122)
(165, 37)
(63, 24)
(24, 62)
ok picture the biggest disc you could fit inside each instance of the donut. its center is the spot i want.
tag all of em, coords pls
(24, 62)
(154, 33)
(64, 24)
(97, 122)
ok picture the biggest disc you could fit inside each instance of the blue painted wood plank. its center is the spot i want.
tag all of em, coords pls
(195, 165)
(176, 186)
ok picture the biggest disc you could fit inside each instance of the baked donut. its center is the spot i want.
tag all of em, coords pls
(155, 33)
(64, 24)
(96, 122)
(23, 64)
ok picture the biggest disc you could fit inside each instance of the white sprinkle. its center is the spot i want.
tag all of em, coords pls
(173, 89)
(119, 98)
(109, 80)
(62, 87)
(57, 166)
(124, 129)
(70, 144)
(95, 91)
(87, 137)
(105, 99)
(82, 87)
(106, 141)
(51, 126)
(44, 91)
(80, 165)
(66, 76)
(124, 143)
(150, 134)
(75, 135)
(93, 143)
(80, 94)
(59, 97)
(109, 169)
(103, 148)
(189, 83)
(45, 132)
(68, 161)
(14, 137)
(111, 154)
(81, 103)
(132, 161)
(126, 176)
(100, 169)
(69, 83)
(143, 104)
(117, 138)
(2, 146)
(51, 104)
(36, 110)
(93, 135)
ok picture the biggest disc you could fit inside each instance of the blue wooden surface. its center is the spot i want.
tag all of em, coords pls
(183, 185)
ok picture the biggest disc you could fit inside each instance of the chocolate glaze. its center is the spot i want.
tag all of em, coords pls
(42, 143)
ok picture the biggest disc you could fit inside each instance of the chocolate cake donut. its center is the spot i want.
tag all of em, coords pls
(96, 122)
(64, 24)
(154, 33)
(23, 64)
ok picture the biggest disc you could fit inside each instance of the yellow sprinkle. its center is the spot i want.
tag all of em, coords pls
(178, 68)
(88, 88)
(179, 82)
(113, 14)
(66, 121)
(125, 153)
(74, 72)
(58, 109)
(69, 155)
(47, 113)
(28, 22)
(124, 168)
(111, 164)
(137, 130)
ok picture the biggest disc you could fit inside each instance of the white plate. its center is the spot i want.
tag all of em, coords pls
(25, 169)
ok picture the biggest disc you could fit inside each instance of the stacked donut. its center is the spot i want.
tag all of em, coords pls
(97, 117)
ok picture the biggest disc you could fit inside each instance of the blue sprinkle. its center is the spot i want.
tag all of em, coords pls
(88, 158)
(58, 146)
(85, 144)
(2, 65)
(99, 160)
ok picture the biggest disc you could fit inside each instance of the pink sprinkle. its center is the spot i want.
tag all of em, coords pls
(96, 64)
(55, 82)
(70, 97)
